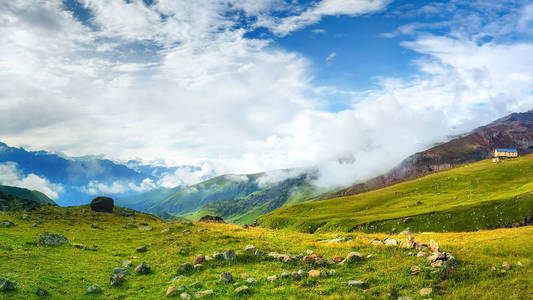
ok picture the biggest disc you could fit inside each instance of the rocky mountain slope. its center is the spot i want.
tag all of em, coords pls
(512, 131)
(15, 198)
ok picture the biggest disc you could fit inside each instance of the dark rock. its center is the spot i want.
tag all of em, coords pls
(116, 279)
(94, 289)
(142, 268)
(102, 204)
(41, 292)
(51, 239)
(123, 271)
(226, 277)
(141, 249)
(196, 285)
(129, 225)
(7, 223)
(199, 259)
(242, 290)
(229, 255)
(211, 219)
(7, 285)
(37, 224)
(185, 267)
(183, 251)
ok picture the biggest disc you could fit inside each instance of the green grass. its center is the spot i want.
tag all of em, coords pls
(66, 271)
(469, 197)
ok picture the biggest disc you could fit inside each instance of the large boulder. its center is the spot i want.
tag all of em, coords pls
(211, 219)
(102, 204)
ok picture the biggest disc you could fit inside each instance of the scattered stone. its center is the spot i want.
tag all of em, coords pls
(41, 292)
(141, 249)
(421, 254)
(203, 293)
(80, 246)
(250, 248)
(143, 223)
(143, 268)
(116, 279)
(314, 273)
(199, 259)
(272, 278)
(418, 203)
(425, 291)
(177, 278)
(7, 285)
(102, 204)
(259, 252)
(352, 257)
(226, 277)
(166, 230)
(183, 251)
(433, 246)
(301, 273)
(129, 225)
(352, 283)
(187, 231)
(94, 226)
(25, 217)
(181, 289)
(391, 242)
(185, 296)
(7, 223)
(340, 239)
(51, 239)
(198, 267)
(146, 228)
(285, 274)
(410, 243)
(211, 219)
(218, 256)
(309, 252)
(415, 270)
(171, 291)
(185, 267)
(126, 264)
(519, 263)
(242, 290)
(122, 271)
(338, 259)
(377, 242)
(437, 264)
(323, 273)
(94, 289)
(196, 285)
(36, 224)
(506, 265)
(203, 229)
(333, 273)
(229, 255)
(250, 280)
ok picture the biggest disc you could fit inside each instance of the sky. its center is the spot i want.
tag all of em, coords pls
(238, 86)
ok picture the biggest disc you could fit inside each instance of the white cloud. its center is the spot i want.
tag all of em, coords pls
(331, 56)
(236, 177)
(12, 176)
(186, 176)
(95, 187)
(318, 31)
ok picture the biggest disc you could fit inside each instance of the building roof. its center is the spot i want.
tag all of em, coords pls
(506, 150)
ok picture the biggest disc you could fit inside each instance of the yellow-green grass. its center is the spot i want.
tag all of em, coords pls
(481, 195)
(66, 271)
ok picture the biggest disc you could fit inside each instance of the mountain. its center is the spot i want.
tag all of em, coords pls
(512, 131)
(238, 198)
(481, 195)
(14, 198)
(76, 180)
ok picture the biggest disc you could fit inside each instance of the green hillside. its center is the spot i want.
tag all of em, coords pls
(14, 198)
(470, 197)
(247, 209)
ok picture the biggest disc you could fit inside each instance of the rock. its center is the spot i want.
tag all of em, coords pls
(433, 246)
(229, 255)
(198, 267)
(183, 251)
(391, 242)
(218, 256)
(250, 249)
(7, 285)
(418, 203)
(203, 293)
(323, 273)
(94, 226)
(352, 257)
(242, 290)
(36, 223)
(506, 265)
(211, 219)
(185, 267)
(126, 264)
(415, 270)
(116, 279)
(425, 291)
(285, 274)
(338, 259)
(250, 280)
(245, 276)
(102, 204)
(352, 283)
(437, 264)
(166, 230)
(7, 223)
(333, 273)
(377, 242)
(199, 259)
(51, 239)
(25, 217)
(41, 292)
(519, 263)
(203, 229)
(80, 246)
(146, 228)
(301, 273)
(421, 254)
(309, 252)
(258, 252)
(143, 268)
(410, 243)
(122, 271)
(295, 275)
(314, 273)
(185, 296)
(187, 231)
(272, 278)
(181, 289)
(226, 277)
(129, 225)
(405, 298)
(171, 291)
(141, 249)
(196, 285)
(94, 289)
(245, 226)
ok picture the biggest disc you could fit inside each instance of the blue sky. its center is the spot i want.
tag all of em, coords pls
(239, 86)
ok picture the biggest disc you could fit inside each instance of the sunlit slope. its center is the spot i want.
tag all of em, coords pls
(469, 197)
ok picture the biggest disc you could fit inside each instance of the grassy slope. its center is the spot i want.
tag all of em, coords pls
(66, 272)
(469, 197)
(22, 193)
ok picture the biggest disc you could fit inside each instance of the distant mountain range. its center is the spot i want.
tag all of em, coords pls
(512, 131)
(14, 198)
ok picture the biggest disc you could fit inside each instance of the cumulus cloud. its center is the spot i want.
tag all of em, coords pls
(237, 177)
(95, 187)
(12, 176)
(331, 56)
(186, 176)
(182, 80)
